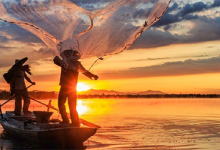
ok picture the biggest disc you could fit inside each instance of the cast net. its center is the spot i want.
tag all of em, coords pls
(93, 27)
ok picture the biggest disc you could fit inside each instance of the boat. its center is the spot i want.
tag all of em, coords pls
(37, 126)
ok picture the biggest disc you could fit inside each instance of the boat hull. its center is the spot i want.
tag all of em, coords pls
(65, 138)
(56, 135)
(19, 132)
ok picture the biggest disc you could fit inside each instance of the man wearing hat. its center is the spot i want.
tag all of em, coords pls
(70, 68)
(18, 86)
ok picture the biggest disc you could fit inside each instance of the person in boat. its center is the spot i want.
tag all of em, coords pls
(18, 87)
(70, 68)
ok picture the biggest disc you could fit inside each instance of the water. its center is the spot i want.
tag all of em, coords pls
(143, 124)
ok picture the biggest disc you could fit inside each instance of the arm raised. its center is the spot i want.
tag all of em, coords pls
(60, 63)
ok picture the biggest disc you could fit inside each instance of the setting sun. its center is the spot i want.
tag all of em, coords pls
(82, 87)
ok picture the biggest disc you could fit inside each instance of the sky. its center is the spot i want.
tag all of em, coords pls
(178, 54)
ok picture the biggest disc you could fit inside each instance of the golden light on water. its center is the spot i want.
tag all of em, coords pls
(80, 108)
(82, 87)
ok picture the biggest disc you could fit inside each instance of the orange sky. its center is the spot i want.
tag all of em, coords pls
(178, 55)
(112, 72)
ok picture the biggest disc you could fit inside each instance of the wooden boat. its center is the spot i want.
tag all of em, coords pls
(50, 134)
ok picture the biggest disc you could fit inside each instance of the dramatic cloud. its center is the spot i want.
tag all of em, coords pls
(188, 67)
(205, 29)
(176, 14)
(14, 32)
(196, 7)
(155, 38)
(216, 3)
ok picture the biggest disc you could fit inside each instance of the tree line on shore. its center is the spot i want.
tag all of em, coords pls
(4, 95)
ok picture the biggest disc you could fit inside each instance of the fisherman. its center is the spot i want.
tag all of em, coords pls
(17, 85)
(70, 68)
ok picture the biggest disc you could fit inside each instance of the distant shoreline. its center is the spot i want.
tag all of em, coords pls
(153, 96)
(54, 95)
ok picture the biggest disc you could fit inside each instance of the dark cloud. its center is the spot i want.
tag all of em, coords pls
(176, 14)
(192, 8)
(216, 3)
(173, 7)
(17, 33)
(167, 19)
(205, 29)
(155, 38)
(138, 13)
(188, 67)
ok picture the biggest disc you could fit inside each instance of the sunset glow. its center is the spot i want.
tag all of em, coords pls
(178, 55)
(110, 74)
(82, 87)
(80, 108)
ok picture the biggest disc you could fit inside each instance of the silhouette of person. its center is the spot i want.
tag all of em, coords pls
(17, 85)
(70, 68)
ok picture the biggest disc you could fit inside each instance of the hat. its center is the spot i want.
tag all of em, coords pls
(21, 61)
(70, 54)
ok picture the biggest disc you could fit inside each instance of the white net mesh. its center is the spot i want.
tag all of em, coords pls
(94, 27)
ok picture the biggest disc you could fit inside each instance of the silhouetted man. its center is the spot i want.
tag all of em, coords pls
(70, 68)
(17, 85)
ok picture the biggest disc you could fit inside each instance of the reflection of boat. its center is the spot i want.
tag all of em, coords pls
(49, 133)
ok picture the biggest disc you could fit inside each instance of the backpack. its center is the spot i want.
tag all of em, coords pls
(10, 75)
(7, 77)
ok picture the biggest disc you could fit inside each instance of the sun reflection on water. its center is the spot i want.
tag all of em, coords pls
(80, 108)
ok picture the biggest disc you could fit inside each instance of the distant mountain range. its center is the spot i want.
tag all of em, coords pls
(106, 92)
(150, 92)
(99, 92)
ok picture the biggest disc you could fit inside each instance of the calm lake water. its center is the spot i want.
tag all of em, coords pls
(142, 124)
